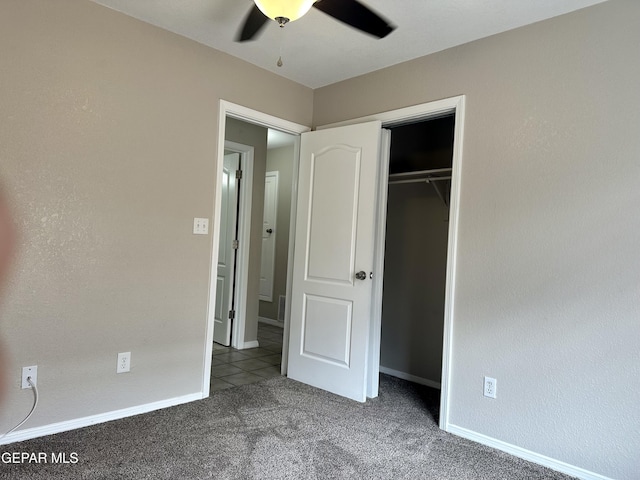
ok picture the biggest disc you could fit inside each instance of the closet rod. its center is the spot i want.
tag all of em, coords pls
(420, 172)
(419, 180)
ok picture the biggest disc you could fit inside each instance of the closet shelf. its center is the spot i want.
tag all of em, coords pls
(421, 173)
(424, 176)
(427, 179)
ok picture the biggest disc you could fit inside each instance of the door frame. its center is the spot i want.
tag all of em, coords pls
(394, 118)
(239, 112)
(241, 270)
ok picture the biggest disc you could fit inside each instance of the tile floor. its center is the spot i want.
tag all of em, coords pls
(232, 367)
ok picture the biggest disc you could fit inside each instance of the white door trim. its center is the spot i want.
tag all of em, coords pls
(407, 115)
(242, 264)
(244, 240)
(228, 234)
(373, 361)
(228, 109)
(395, 118)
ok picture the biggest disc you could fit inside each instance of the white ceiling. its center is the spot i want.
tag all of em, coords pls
(318, 50)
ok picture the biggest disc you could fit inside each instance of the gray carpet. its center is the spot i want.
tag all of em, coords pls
(278, 429)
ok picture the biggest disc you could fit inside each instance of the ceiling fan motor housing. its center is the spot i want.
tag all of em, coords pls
(351, 12)
(289, 10)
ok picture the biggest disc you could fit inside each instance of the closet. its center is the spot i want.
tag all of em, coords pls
(416, 250)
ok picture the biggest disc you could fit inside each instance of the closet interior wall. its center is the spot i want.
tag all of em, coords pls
(416, 251)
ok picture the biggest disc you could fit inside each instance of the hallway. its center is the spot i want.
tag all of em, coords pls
(232, 367)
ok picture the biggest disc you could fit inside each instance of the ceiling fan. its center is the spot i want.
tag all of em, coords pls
(351, 12)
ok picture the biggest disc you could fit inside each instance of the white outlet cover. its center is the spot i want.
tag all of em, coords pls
(200, 226)
(32, 372)
(490, 387)
(124, 362)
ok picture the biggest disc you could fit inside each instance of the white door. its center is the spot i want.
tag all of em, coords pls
(226, 252)
(334, 242)
(267, 261)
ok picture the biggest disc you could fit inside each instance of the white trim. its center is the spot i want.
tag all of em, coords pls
(245, 345)
(284, 362)
(452, 256)
(65, 426)
(526, 454)
(258, 118)
(373, 364)
(252, 116)
(271, 321)
(404, 116)
(409, 377)
(244, 239)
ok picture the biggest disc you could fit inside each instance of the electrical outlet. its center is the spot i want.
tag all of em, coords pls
(29, 372)
(124, 362)
(200, 226)
(490, 386)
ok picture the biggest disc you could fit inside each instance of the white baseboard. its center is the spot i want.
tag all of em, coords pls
(526, 454)
(409, 377)
(29, 433)
(251, 344)
(270, 321)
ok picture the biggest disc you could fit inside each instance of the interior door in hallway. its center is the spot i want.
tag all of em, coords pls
(226, 251)
(334, 256)
(269, 218)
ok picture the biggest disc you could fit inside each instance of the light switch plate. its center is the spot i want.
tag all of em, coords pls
(200, 226)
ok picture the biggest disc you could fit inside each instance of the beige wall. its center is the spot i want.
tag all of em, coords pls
(107, 145)
(280, 160)
(547, 289)
(108, 138)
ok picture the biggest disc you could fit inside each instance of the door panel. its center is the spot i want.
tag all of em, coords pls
(226, 253)
(326, 330)
(330, 309)
(332, 231)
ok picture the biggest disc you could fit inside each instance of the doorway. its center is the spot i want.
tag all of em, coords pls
(232, 266)
(416, 250)
(404, 116)
(269, 234)
(244, 340)
(227, 253)
(279, 183)
(262, 240)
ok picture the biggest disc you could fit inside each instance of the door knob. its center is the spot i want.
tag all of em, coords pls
(269, 230)
(361, 275)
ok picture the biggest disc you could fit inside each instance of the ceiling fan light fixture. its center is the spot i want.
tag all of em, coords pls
(286, 9)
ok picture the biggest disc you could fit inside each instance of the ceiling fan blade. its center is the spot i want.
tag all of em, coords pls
(252, 25)
(357, 15)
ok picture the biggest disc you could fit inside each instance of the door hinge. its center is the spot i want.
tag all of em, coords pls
(238, 174)
(235, 244)
(232, 314)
